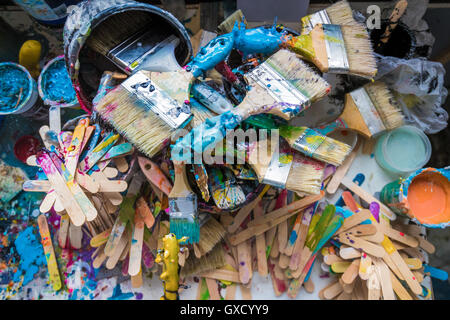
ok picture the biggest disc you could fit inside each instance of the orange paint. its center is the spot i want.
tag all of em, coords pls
(429, 198)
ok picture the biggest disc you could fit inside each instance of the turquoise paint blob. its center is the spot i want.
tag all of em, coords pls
(31, 255)
(12, 79)
(119, 295)
(403, 150)
(257, 40)
(55, 83)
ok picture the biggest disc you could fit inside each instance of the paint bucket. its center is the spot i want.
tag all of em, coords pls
(25, 147)
(18, 91)
(52, 13)
(424, 197)
(54, 85)
(401, 43)
(85, 66)
(403, 150)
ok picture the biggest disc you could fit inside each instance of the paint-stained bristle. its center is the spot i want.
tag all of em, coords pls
(211, 233)
(112, 31)
(210, 261)
(260, 155)
(183, 227)
(332, 151)
(227, 25)
(306, 175)
(359, 51)
(128, 115)
(385, 104)
(289, 66)
(341, 13)
(200, 114)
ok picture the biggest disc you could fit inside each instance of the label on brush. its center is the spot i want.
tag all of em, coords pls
(278, 171)
(368, 111)
(319, 17)
(278, 87)
(308, 142)
(334, 43)
(157, 100)
(183, 207)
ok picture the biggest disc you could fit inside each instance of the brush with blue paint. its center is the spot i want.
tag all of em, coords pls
(227, 194)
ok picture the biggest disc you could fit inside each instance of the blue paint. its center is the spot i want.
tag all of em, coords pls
(56, 84)
(31, 255)
(436, 273)
(12, 79)
(293, 237)
(119, 295)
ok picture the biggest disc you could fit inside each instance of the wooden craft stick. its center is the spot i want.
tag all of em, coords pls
(384, 276)
(145, 213)
(344, 296)
(289, 249)
(115, 255)
(362, 230)
(341, 171)
(121, 164)
(373, 284)
(359, 243)
(118, 152)
(244, 262)
(114, 197)
(48, 202)
(100, 239)
(74, 150)
(230, 293)
(340, 266)
(399, 290)
(137, 281)
(351, 273)
(348, 288)
(282, 236)
(279, 282)
(261, 244)
(116, 234)
(99, 259)
(36, 186)
(245, 211)
(134, 262)
(87, 182)
(98, 152)
(63, 230)
(275, 249)
(75, 236)
(50, 257)
(301, 238)
(332, 291)
(31, 161)
(347, 253)
(364, 265)
(42, 132)
(400, 237)
(366, 196)
(246, 293)
(402, 266)
(110, 172)
(332, 258)
(354, 220)
(64, 139)
(309, 286)
(213, 289)
(222, 274)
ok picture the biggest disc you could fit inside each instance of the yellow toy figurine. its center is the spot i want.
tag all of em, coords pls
(169, 257)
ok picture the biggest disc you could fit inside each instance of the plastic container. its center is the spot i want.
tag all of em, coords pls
(52, 13)
(403, 150)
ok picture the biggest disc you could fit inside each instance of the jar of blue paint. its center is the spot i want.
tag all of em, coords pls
(51, 13)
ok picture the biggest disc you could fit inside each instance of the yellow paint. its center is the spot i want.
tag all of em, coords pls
(105, 143)
(169, 257)
(301, 45)
(29, 56)
(387, 245)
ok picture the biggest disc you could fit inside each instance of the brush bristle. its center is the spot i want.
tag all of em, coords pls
(128, 115)
(115, 30)
(211, 233)
(385, 104)
(260, 155)
(302, 77)
(341, 13)
(306, 175)
(200, 113)
(210, 261)
(359, 51)
(183, 227)
(227, 25)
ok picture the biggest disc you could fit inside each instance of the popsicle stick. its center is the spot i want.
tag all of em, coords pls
(64, 139)
(282, 235)
(99, 259)
(363, 230)
(347, 253)
(213, 289)
(289, 249)
(413, 263)
(351, 273)
(263, 270)
(63, 230)
(245, 211)
(136, 245)
(114, 197)
(75, 236)
(31, 161)
(354, 220)
(245, 292)
(87, 182)
(42, 131)
(115, 255)
(50, 257)
(279, 283)
(145, 213)
(100, 239)
(341, 171)
(110, 172)
(121, 164)
(412, 282)
(400, 237)
(98, 152)
(359, 243)
(230, 293)
(137, 281)
(309, 286)
(74, 150)
(275, 249)
(348, 288)
(384, 277)
(244, 262)
(340, 266)
(48, 202)
(373, 284)
(399, 290)
(332, 258)
(36, 186)
(117, 233)
(364, 265)
(344, 296)
(222, 274)
(366, 196)
(63, 192)
(301, 237)
(332, 291)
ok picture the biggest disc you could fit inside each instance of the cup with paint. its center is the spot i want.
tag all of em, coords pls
(18, 90)
(25, 147)
(403, 150)
(424, 197)
(55, 86)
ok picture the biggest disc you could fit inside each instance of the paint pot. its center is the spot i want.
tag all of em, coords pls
(51, 13)
(424, 197)
(54, 84)
(401, 43)
(85, 66)
(25, 147)
(403, 150)
(18, 91)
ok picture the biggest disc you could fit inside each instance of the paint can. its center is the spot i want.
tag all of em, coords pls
(54, 85)
(18, 92)
(25, 147)
(401, 43)
(51, 13)
(84, 65)
(403, 150)
(424, 197)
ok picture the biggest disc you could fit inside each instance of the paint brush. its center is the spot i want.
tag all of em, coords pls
(210, 261)
(315, 145)
(225, 191)
(155, 175)
(211, 233)
(369, 111)
(183, 207)
(280, 167)
(397, 13)
(338, 13)
(337, 49)
(282, 85)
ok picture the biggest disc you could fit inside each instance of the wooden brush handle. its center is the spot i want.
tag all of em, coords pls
(181, 185)
(396, 14)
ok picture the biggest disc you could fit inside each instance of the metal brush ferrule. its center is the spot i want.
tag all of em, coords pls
(155, 99)
(368, 111)
(337, 55)
(280, 89)
(183, 207)
(278, 171)
(319, 17)
(308, 142)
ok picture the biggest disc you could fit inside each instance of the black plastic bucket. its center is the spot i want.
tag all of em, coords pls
(85, 66)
